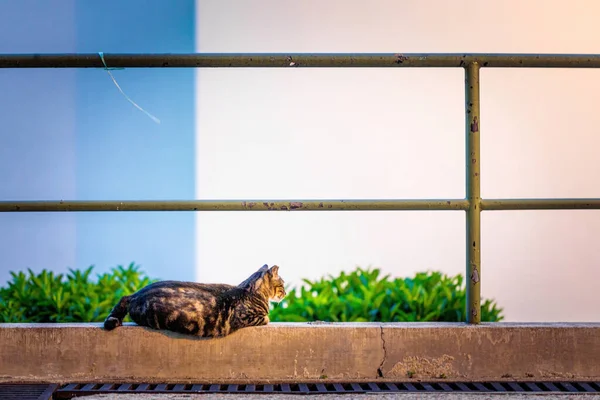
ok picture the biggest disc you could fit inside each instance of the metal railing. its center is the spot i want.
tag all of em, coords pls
(473, 204)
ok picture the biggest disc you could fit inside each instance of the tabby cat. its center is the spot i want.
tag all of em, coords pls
(205, 310)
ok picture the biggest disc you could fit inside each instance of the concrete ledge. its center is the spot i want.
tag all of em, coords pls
(286, 352)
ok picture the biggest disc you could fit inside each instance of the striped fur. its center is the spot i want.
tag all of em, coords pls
(205, 310)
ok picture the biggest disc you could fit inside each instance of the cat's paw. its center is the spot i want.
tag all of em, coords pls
(111, 323)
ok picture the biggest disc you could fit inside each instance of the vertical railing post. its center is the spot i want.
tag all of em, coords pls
(473, 192)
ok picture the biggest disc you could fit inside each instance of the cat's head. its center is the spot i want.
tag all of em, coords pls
(267, 281)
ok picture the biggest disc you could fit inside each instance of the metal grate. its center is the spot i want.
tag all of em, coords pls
(81, 389)
(26, 392)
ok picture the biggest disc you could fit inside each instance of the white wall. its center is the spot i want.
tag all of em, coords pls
(398, 133)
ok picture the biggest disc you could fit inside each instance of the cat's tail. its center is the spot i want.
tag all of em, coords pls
(115, 318)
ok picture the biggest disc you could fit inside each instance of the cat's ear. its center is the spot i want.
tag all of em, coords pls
(255, 285)
(274, 271)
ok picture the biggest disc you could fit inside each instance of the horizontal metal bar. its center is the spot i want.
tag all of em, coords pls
(540, 204)
(233, 205)
(298, 205)
(287, 60)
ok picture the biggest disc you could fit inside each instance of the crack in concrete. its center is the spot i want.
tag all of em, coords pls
(380, 369)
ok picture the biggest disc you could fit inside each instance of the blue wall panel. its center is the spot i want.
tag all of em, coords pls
(37, 136)
(69, 134)
(123, 154)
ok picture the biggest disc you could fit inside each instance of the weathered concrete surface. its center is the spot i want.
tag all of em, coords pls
(493, 351)
(301, 352)
(403, 396)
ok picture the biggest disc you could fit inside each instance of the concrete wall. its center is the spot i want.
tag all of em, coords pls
(386, 133)
(301, 352)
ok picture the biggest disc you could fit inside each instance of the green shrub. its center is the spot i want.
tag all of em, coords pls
(49, 297)
(363, 295)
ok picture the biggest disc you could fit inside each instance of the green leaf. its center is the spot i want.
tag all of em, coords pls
(74, 297)
(366, 294)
